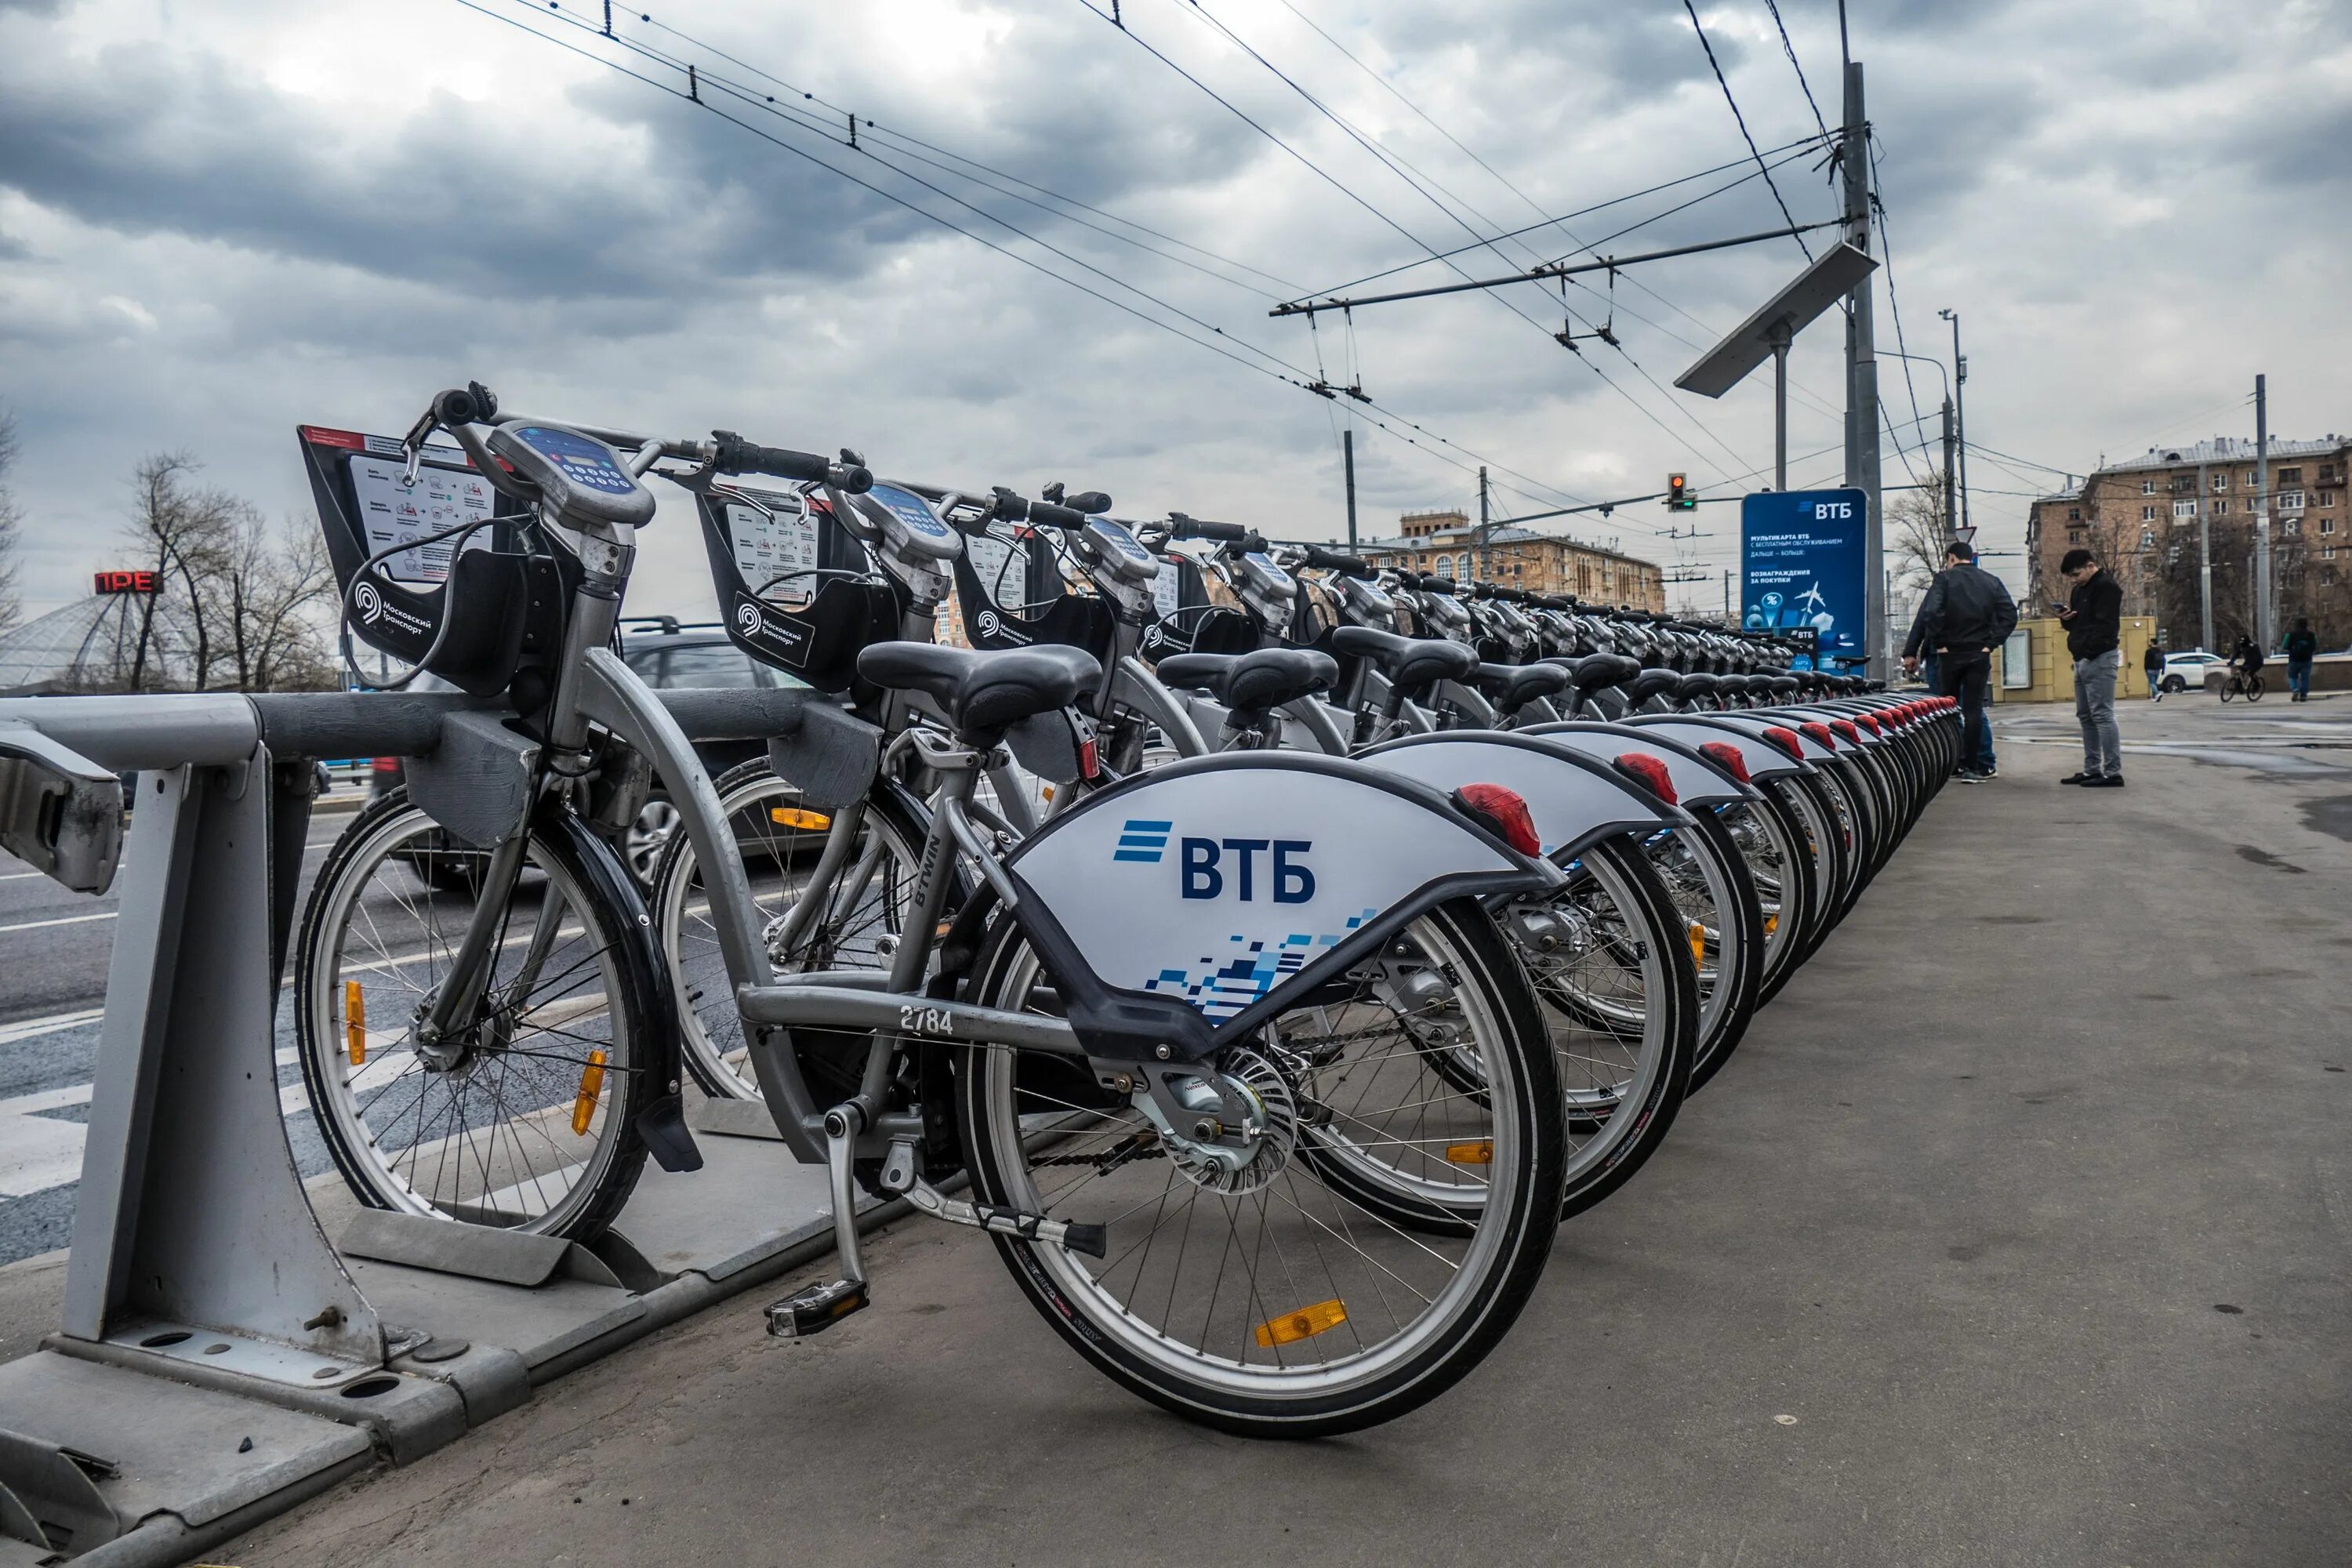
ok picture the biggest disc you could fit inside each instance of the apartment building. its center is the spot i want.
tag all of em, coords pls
(1444, 544)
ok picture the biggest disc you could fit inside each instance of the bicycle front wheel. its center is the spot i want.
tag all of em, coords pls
(1384, 1230)
(524, 1116)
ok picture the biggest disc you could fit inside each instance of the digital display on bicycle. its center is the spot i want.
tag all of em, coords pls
(911, 509)
(585, 462)
(1274, 576)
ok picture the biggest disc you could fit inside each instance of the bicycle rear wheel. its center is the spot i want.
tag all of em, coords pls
(527, 1118)
(1290, 1297)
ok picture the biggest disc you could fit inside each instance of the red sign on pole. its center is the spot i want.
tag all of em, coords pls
(124, 583)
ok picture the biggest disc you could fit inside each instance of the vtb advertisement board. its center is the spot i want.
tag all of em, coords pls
(1800, 568)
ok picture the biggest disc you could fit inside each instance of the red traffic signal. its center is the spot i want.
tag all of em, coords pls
(1678, 494)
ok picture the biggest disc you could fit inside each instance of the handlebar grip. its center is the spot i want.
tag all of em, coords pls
(1338, 561)
(1429, 584)
(1092, 503)
(1045, 514)
(737, 456)
(1183, 527)
(472, 404)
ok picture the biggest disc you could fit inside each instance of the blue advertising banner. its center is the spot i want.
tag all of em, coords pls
(1800, 567)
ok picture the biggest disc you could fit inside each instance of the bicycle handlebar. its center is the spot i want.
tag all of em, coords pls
(1183, 527)
(731, 454)
(1338, 561)
(1014, 508)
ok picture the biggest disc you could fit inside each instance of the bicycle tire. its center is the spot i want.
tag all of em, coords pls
(710, 1027)
(597, 886)
(1503, 1259)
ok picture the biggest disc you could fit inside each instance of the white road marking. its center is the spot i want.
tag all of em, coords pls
(65, 921)
(31, 1029)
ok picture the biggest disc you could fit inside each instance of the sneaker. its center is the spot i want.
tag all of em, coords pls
(1992, 770)
(2108, 781)
(2079, 778)
(1965, 777)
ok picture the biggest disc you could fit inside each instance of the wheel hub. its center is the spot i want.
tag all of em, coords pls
(1229, 1161)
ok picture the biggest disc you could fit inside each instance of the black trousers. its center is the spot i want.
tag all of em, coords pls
(1963, 674)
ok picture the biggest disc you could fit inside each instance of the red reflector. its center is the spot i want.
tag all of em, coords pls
(1845, 728)
(1649, 773)
(1786, 740)
(1819, 734)
(1504, 811)
(384, 765)
(1726, 756)
(1089, 761)
(1870, 722)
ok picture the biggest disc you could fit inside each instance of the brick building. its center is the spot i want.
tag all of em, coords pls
(1444, 544)
(2141, 518)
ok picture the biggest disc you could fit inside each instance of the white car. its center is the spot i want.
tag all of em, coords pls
(2185, 671)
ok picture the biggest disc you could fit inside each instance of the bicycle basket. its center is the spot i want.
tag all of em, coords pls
(1011, 594)
(792, 583)
(1197, 614)
(503, 604)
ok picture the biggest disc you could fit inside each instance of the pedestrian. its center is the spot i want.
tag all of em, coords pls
(2094, 617)
(2301, 644)
(1967, 614)
(2152, 661)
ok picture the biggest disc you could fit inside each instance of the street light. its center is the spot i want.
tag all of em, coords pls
(1960, 406)
(1951, 514)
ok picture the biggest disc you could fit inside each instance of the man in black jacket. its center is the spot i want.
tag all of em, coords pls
(2093, 621)
(1967, 615)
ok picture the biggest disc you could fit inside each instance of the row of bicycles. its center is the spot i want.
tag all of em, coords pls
(1266, 951)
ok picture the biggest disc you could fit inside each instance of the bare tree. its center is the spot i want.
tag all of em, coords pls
(12, 516)
(1915, 522)
(237, 594)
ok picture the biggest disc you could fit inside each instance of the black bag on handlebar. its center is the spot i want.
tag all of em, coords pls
(1049, 612)
(503, 603)
(793, 585)
(1196, 623)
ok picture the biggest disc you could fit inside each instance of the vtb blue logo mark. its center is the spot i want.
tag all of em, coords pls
(1206, 862)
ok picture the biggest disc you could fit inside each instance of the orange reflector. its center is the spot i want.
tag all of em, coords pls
(1302, 1324)
(1048, 790)
(1771, 924)
(793, 816)
(1479, 1153)
(1698, 942)
(355, 1023)
(592, 1084)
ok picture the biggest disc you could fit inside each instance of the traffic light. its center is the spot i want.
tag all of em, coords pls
(1678, 494)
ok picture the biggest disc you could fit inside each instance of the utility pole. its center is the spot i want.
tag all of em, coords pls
(1485, 540)
(1960, 409)
(1951, 482)
(2265, 602)
(1862, 375)
(1780, 339)
(2204, 563)
(1348, 454)
(1726, 599)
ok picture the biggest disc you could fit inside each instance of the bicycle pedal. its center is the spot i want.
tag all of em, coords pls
(813, 1308)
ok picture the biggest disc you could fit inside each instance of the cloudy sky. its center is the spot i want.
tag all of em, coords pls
(218, 220)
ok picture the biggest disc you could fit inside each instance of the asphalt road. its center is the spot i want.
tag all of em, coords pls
(53, 950)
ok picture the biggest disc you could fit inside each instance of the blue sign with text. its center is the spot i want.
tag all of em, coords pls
(1800, 567)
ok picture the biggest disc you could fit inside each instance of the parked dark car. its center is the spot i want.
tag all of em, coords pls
(663, 653)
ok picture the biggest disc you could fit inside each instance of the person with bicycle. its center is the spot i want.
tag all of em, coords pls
(1968, 613)
(2302, 644)
(2093, 617)
(2245, 668)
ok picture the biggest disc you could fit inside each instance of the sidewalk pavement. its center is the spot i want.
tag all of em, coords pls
(2017, 1232)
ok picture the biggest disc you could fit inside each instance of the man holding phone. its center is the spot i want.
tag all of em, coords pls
(2092, 615)
(1967, 614)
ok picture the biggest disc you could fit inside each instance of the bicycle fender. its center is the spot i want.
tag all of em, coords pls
(1697, 780)
(1764, 760)
(1185, 906)
(1574, 800)
(661, 1120)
